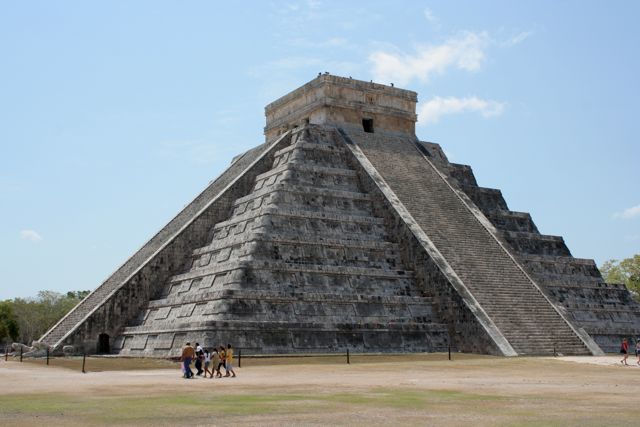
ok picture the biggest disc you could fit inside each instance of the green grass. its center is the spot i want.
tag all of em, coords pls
(539, 402)
(118, 409)
(397, 398)
(211, 407)
(233, 404)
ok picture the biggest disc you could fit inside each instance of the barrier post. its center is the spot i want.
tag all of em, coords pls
(47, 356)
(240, 358)
(21, 354)
(348, 361)
(6, 354)
(84, 358)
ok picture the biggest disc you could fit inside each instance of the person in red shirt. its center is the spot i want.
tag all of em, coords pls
(624, 349)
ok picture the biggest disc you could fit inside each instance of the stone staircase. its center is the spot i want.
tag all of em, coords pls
(322, 239)
(301, 264)
(607, 312)
(512, 301)
(78, 313)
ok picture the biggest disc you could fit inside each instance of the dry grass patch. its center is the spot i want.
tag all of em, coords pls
(407, 390)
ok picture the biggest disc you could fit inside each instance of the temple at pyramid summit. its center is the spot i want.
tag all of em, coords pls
(344, 231)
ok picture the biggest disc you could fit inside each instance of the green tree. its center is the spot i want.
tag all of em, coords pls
(626, 271)
(79, 295)
(8, 324)
(36, 315)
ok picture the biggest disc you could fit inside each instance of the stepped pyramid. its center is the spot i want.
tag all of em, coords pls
(344, 231)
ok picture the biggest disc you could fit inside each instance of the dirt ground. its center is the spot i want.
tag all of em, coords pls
(419, 390)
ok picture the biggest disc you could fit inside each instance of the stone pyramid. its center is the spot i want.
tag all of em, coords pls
(345, 231)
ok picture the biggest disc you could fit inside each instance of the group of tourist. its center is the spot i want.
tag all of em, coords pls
(624, 350)
(213, 360)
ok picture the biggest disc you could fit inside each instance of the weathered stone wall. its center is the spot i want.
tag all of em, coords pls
(607, 312)
(513, 308)
(315, 246)
(301, 265)
(464, 331)
(115, 304)
(343, 101)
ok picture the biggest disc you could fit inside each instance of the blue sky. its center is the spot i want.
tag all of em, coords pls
(114, 115)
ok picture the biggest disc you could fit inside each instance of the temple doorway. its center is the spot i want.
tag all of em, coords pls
(103, 343)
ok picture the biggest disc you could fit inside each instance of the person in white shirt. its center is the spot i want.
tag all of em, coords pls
(207, 363)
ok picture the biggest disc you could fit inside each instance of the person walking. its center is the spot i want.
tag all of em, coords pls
(187, 355)
(198, 363)
(229, 362)
(624, 350)
(223, 358)
(207, 363)
(638, 350)
(215, 363)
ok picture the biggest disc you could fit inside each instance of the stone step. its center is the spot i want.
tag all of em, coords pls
(75, 315)
(323, 157)
(463, 174)
(309, 169)
(482, 264)
(291, 267)
(248, 325)
(308, 175)
(291, 224)
(298, 239)
(535, 243)
(511, 221)
(327, 148)
(301, 213)
(550, 280)
(312, 253)
(293, 283)
(327, 230)
(205, 296)
(257, 248)
(303, 190)
(487, 199)
(603, 308)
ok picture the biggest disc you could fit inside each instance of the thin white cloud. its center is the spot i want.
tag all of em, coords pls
(629, 213)
(428, 14)
(30, 235)
(314, 4)
(465, 52)
(432, 110)
(295, 16)
(517, 39)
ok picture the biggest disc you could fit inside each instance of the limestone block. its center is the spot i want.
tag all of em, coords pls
(39, 345)
(16, 347)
